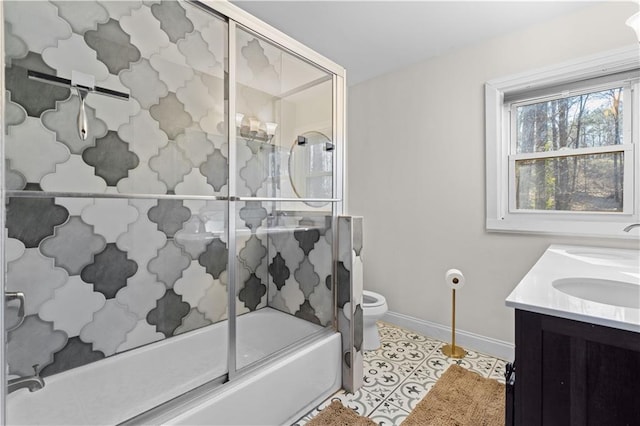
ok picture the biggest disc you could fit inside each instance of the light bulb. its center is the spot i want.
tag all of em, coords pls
(254, 125)
(271, 128)
(239, 118)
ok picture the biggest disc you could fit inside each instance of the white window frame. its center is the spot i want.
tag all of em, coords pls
(501, 214)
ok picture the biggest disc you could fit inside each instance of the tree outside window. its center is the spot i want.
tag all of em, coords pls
(567, 152)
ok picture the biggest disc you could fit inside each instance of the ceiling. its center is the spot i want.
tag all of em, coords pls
(371, 38)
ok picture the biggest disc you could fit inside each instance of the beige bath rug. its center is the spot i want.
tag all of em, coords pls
(460, 398)
(337, 414)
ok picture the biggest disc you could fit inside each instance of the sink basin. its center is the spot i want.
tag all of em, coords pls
(610, 292)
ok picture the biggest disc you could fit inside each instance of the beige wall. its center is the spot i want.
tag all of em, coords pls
(416, 172)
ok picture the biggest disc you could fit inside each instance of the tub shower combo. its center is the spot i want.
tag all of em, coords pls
(174, 247)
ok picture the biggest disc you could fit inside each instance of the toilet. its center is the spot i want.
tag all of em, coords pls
(374, 306)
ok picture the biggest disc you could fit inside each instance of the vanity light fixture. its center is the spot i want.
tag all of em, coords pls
(253, 129)
(634, 23)
(254, 125)
(270, 128)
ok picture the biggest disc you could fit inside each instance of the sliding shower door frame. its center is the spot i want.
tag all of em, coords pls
(3, 334)
(239, 19)
(255, 25)
(231, 204)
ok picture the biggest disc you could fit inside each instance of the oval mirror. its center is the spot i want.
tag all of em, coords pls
(311, 166)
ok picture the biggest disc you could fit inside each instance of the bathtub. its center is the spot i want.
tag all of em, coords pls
(117, 388)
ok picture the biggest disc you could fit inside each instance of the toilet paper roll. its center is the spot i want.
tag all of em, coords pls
(454, 278)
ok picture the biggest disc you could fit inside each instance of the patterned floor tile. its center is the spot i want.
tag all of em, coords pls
(390, 333)
(388, 414)
(498, 371)
(381, 376)
(411, 391)
(401, 372)
(393, 334)
(362, 402)
(479, 363)
(402, 350)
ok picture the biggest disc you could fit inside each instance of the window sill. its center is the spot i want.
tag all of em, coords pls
(574, 228)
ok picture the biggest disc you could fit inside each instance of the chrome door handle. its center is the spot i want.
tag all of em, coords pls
(19, 296)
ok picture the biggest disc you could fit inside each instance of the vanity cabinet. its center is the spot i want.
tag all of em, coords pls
(574, 373)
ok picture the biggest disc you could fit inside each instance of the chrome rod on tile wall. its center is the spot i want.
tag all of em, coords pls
(57, 194)
(63, 82)
(82, 90)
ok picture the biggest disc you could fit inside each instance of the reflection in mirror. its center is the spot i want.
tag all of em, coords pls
(311, 166)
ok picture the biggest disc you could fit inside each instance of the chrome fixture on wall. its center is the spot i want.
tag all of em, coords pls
(630, 227)
(83, 84)
(254, 129)
(19, 296)
(33, 383)
(83, 123)
(302, 140)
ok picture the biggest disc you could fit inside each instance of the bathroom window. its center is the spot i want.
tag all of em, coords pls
(567, 151)
(562, 154)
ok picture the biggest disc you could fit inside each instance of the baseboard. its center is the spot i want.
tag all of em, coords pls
(487, 345)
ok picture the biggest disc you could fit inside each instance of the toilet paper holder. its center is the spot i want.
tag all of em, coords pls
(455, 280)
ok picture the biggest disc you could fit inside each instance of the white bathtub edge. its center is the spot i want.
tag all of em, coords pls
(275, 391)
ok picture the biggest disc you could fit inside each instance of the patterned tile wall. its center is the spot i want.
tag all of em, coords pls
(285, 262)
(350, 281)
(300, 257)
(168, 138)
(102, 276)
(251, 246)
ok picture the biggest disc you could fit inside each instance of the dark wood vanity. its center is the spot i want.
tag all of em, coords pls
(574, 373)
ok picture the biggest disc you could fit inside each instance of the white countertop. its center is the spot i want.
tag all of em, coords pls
(536, 293)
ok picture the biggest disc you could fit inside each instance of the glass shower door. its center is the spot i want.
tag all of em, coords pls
(283, 179)
(155, 250)
(116, 206)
